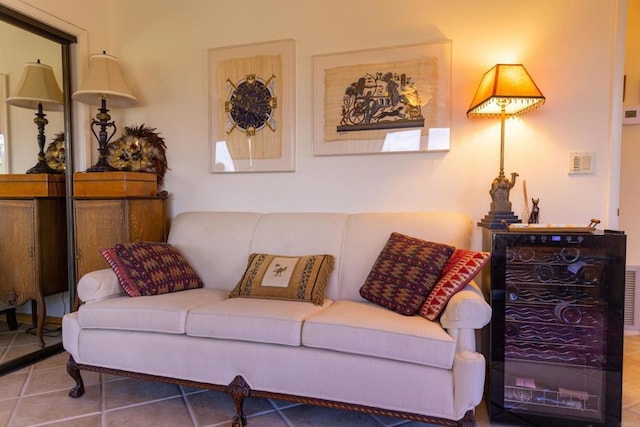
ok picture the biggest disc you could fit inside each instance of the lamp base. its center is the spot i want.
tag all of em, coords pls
(499, 220)
(41, 167)
(102, 122)
(101, 166)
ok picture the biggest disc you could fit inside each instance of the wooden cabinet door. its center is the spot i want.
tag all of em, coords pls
(33, 252)
(146, 220)
(103, 223)
(17, 251)
(51, 245)
(98, 224)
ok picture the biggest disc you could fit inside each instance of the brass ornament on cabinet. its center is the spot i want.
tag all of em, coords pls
(55, 154)
(139, 149)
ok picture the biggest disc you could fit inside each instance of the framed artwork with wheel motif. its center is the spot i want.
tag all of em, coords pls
(251, 108)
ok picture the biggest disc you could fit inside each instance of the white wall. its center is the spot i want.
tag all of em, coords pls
(568, 46)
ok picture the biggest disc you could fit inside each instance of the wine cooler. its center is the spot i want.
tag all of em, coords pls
(557, 328)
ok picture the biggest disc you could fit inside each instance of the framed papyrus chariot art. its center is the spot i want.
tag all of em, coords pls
(251, 107)
(386, 100)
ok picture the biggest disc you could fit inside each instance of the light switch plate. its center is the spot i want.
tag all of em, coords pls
(580, 162)
(631, 115)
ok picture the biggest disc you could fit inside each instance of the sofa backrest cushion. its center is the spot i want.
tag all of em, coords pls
(218, 244)
(298, 234)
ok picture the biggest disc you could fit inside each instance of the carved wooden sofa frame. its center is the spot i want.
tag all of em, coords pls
(239, 390)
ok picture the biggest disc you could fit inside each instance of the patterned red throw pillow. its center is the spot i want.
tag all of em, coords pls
(461, 268)
(150, 268)
(404, 273)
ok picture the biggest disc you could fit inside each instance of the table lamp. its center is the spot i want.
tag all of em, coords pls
(505, 90)
(104, 82)
(38, 90)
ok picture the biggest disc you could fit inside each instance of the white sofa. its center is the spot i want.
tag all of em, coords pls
(348, 353)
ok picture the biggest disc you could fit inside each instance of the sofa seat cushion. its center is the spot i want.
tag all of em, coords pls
(164, 313)
(248, 319)
(365, 328)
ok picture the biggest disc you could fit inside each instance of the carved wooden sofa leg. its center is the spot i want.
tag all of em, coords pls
(238, 389)
(74, 372)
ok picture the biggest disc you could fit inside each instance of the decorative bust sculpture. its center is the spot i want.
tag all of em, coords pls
(499, 192)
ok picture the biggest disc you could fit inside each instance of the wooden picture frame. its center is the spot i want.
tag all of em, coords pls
(387, 100)
(252, 107)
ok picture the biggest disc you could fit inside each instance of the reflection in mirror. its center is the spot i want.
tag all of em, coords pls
(38, 90)
(17, 48)
(32, 230)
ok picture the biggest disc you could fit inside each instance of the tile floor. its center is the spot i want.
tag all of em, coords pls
(37, 396)
(23, 341)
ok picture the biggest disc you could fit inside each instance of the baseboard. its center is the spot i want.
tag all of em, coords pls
(26, 318)
(28, 359)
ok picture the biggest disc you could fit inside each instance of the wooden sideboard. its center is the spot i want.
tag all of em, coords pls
(33, 252)
(33, 233)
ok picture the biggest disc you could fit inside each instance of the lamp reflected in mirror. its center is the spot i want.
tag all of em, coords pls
(38, 90)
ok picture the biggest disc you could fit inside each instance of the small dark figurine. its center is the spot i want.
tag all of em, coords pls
(535, 212)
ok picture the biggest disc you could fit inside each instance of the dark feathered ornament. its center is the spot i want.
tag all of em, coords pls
(139, 149)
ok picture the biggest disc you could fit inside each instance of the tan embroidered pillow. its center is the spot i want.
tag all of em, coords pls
(299, 278)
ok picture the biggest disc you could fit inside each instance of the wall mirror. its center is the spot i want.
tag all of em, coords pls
(26, 40)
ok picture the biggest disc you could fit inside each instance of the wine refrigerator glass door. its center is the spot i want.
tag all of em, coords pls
(557, 328)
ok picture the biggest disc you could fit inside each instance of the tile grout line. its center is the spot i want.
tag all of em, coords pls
(192, 415)
(134, 405)
(279, 412)
(73, 417)
(10, 345)
(23, 389)
(103, 405)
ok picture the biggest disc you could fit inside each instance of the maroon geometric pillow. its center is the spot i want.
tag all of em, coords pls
(404, 273)
(121, 270)
(151, 268)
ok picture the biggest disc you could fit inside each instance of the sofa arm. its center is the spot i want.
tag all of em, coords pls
(467, 309)
(98, 285)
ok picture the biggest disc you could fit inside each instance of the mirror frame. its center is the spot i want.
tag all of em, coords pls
(65, 40)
